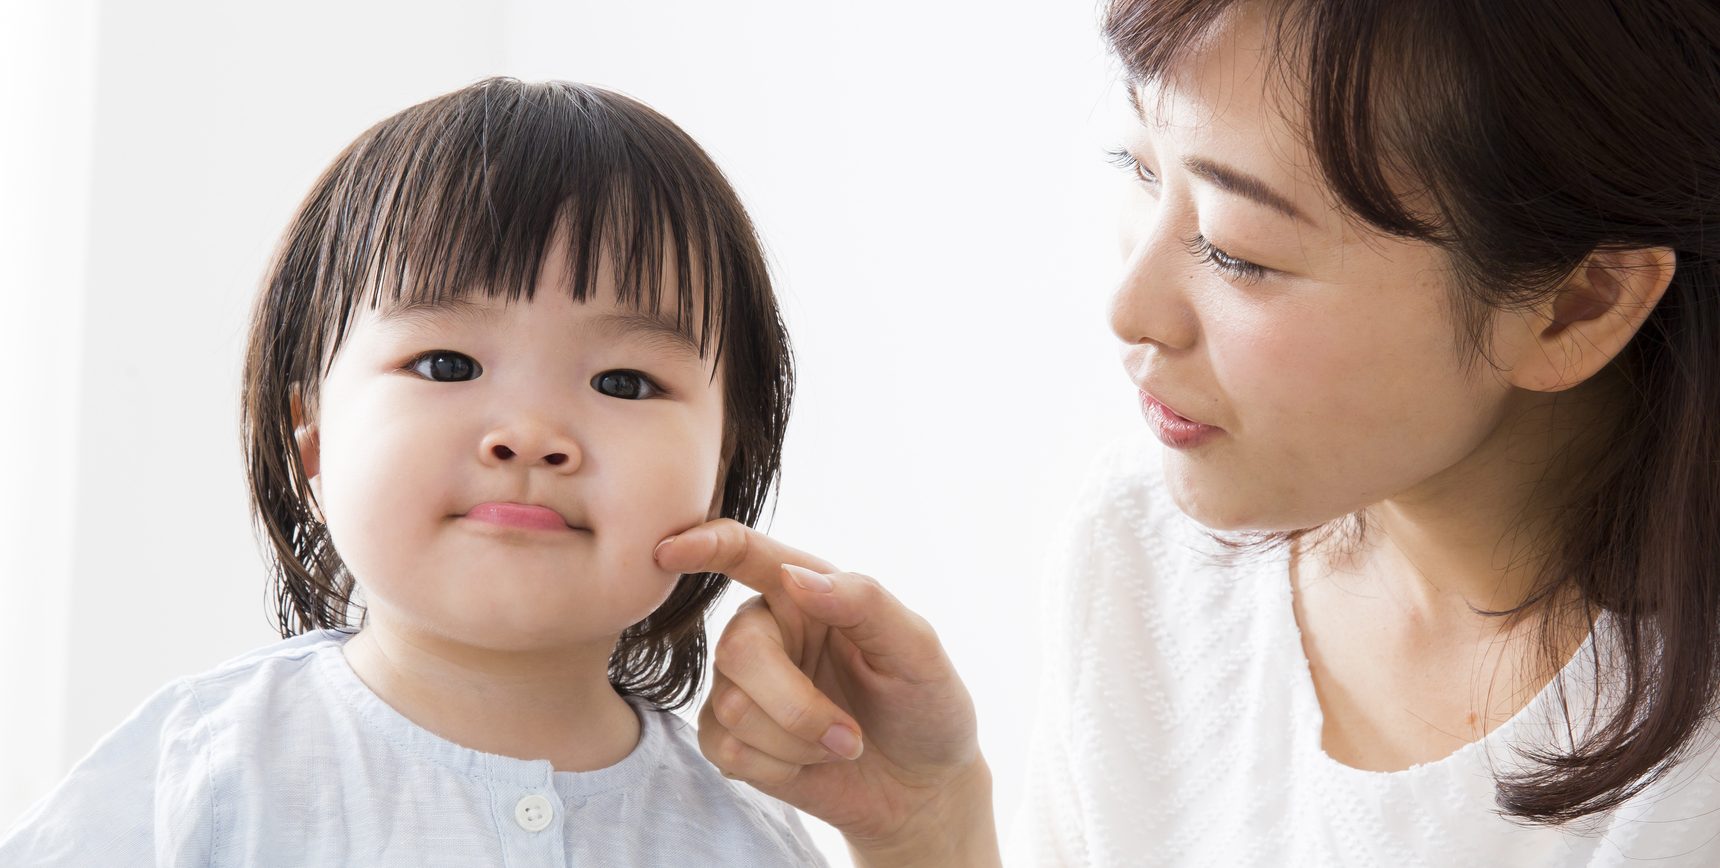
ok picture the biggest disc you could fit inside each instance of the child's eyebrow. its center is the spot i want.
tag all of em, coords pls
(654, 329)
(425, 311)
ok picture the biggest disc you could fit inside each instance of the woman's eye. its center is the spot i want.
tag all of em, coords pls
(628, 385)
(1241, 269)
(445, 366)
(1122, 159)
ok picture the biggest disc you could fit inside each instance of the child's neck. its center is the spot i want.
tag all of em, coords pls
(555, 705)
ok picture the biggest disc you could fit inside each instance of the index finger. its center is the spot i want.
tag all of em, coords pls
(726, 546)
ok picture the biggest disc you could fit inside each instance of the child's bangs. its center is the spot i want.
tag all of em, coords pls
(467, 194)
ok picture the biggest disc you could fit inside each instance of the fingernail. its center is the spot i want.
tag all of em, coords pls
(842, 741)
(657, 552)
(811, 581)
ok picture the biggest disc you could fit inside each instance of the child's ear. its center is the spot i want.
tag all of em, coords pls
(716, 510)
(310, 447)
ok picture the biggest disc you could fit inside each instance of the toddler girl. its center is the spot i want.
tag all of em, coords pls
(515, 336)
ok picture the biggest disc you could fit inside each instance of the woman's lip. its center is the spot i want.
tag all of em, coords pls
(521, 515)
(1173, 429)
(1147, 398)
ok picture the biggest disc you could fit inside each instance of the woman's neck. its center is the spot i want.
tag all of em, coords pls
(1406, 664)
(554, 704)
(1482, 534)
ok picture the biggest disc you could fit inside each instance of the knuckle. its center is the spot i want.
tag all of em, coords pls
(731, 707)
(925, 641)
(923, 628)
(734, 543)
(779, 775)
(797, 718)
(708, 738)
(728, 753)
(735, 651)
(811, 754)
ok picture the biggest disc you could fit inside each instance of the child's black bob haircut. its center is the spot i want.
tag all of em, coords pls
(462, 195)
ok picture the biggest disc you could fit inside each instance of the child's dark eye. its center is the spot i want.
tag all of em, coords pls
(445, 366)
(629, 385)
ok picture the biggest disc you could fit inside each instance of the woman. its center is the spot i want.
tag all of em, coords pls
(1423, 300)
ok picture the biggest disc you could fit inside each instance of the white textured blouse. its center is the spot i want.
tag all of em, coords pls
(1178, 725)
(283, 757)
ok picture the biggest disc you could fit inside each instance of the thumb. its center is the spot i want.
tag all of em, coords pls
(893, 639)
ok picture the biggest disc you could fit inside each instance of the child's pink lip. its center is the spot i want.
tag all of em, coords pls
(522, 515)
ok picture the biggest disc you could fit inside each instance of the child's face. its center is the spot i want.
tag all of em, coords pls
(602, 413)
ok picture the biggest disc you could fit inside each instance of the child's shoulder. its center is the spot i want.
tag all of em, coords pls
(151, 784)
(731, 816)
(300, 647)
(261, 673)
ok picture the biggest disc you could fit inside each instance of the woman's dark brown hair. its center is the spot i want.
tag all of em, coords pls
(463, 194)
(1520, 138)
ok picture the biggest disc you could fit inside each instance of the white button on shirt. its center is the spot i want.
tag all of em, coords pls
(283, 757)
(534, 813)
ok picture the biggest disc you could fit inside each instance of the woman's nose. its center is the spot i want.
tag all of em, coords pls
(1148, 306)
(532, 445)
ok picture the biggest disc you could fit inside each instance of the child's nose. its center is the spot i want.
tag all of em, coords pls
(511, 446)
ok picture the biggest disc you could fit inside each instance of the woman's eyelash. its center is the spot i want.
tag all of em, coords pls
(1241, 269)
(1198, 246)
(1122, 159)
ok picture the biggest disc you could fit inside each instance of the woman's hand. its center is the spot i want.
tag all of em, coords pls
(831, 696)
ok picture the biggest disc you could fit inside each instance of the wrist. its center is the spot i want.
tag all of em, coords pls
(957, 829)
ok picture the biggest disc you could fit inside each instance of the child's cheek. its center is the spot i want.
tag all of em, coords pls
(672, 474)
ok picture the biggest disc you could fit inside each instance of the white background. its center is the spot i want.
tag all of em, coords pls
(928, 177)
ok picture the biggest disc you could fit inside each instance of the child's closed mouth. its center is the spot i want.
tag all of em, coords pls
(521, 515)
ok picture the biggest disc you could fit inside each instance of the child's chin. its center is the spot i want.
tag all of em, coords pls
(527, 636)
(547, 627)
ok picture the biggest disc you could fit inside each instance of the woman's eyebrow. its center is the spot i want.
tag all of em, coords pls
(1226, 178)
(1244, 185)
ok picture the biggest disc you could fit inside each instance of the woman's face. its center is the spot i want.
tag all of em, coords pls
(1334, 375)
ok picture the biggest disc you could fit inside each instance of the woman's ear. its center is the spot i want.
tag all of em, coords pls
(1589, 319)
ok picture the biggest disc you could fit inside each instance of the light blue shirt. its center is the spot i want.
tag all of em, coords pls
(284, 757)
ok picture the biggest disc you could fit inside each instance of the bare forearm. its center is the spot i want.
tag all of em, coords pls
(959, 831)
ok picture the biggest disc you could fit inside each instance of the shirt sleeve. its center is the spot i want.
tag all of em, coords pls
(142, 797)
